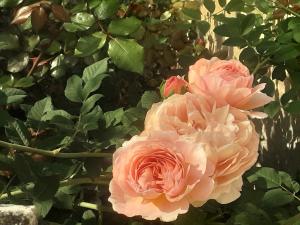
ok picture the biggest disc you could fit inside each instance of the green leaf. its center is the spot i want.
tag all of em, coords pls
(250, 215)
(270, 86)
(294, 220)
(134, 114)
(149, 98)
(193, 14)
(127, 54)
(73, 27)
(23, 169)
(84, 19)
(88, 45)
(95, 69)
(294, 23)
(296, 34)
(58, 68)
(289, 95)
(222, 3)
(279, 73)
(50, 115)
(14, 95)
(43, 207)
(89, 218)
(17, 133)
(124, 26)
(65, 197)
(107, 9)
(203, 26)
(249, 57)
(235, 41)
(248, 23)
(40, 108)
(112, 118)
(24, 82)
(8, 41)
(263, 6)
(276, 197)
(268, 175)
(6, 81)
(73, 89)
(9, 3)
(293, 107)
(288, 182)
(209, 5)
(92, 85)
(17, 63)
(287, 52)
(54, 48)
(90, 120)
(228, 30)
(31, 42)
(235, 5)
(90, 103)
(45, 188)
(272, 108)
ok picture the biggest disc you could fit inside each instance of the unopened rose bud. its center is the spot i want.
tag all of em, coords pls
(200, 41)
(173, 85)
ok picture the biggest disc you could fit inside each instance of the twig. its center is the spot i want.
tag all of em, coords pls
(35, 63)
(280, 6)
(259, 65)
(55, 153)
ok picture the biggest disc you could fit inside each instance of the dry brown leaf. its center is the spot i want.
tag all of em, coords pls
(60, 13)
(39, 18)
(22, 14)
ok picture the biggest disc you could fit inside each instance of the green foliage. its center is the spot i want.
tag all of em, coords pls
(122, 53)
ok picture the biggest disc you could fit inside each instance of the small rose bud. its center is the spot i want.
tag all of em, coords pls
(200, 41)
(173, 85)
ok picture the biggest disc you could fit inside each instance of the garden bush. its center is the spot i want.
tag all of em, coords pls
(77, 78)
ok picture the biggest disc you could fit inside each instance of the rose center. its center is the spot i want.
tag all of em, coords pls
(157, 173)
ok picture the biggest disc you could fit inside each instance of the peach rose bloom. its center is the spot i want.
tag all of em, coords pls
(158, 174)
(174, 85)
(226, 82)
(228, 136)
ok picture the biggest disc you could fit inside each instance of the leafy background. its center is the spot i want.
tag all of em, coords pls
(77, 77)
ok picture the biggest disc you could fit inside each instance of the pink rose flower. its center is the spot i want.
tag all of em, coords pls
(226, 82)
(231, 141)
(180, 113)
(228, 136)
(158, 174)
(174, 85)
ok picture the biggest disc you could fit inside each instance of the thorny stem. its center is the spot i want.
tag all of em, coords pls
(55, 153)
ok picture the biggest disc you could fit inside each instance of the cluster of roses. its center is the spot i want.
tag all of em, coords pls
(196, 145)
